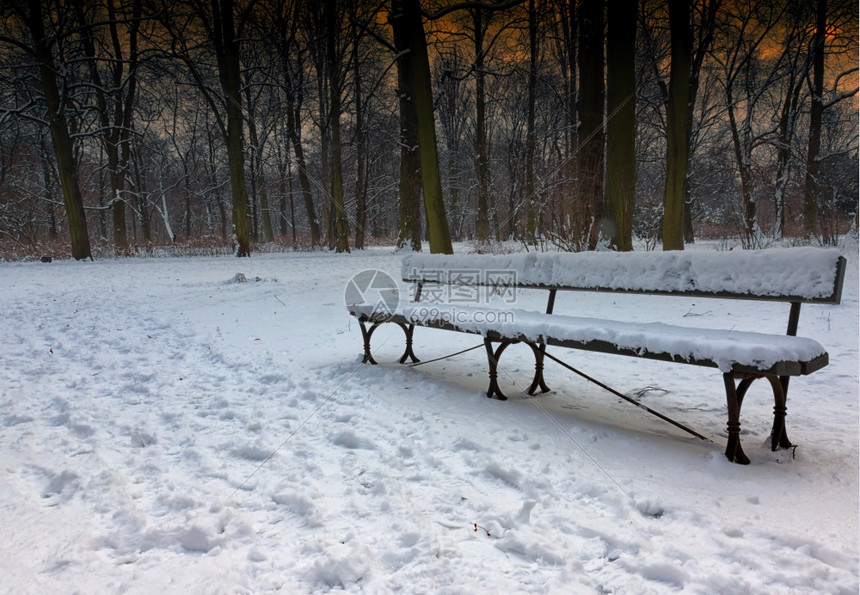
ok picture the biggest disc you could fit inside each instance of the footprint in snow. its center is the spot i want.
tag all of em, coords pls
(66, 483)
(252, 453)
(348, 439)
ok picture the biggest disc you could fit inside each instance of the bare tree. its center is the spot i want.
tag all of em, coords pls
(191, 29)
(824, 18)
(677, 125)
(407, 26)
(39, 47)
(292, 55)
(335, 84)
(621, 125)
(453, 118)
(530, 185)
(115, 93)
(590, 109)
(410, 186)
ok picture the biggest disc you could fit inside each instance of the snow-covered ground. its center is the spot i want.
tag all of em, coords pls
(166, 429)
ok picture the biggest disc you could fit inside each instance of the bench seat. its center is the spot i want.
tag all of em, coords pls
(728, 350)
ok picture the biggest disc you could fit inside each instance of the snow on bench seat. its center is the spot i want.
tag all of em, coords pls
(727, 350)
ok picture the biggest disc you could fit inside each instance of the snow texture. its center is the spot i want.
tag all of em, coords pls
(809, 273)
(163, 430)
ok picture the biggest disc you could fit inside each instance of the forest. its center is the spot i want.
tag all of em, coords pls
(235, 126)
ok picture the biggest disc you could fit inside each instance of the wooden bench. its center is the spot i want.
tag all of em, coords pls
(793, 275)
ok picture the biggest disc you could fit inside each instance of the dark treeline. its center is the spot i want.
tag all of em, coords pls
(335, 123)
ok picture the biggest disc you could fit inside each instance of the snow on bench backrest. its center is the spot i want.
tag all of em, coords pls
(790, 274)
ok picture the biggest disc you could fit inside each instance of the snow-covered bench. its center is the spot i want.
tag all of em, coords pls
(793, 275)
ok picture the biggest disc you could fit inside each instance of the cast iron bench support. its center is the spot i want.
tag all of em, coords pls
(367, 333)
(734, 401)
(493, 356)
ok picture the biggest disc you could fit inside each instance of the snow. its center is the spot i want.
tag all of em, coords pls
(805, 272)
(725, 348)
(165, 429)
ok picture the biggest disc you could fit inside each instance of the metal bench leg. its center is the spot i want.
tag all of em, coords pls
(366, 334)
(734, 399)
(538, 381)
(784, 442)
(408, 329)
(493, 356)
(778, 437)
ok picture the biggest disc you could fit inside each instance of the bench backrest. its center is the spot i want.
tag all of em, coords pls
(799, 275)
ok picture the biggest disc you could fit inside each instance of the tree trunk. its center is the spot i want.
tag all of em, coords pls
(323, 119)
(360, 141)
(449, 117)
(62, 142)
(689, 238)
(741, 145)
(705, 30)
(125, 109)
(567, 206)
(409, 204)
(227, 53)
(591, 113)
(49, 189)
(188, 212)
(406, 21)
(482, 223)
(677, 125)
(333, 69)
(530, 185)
(810, 201)
(621, 125)
(258, 180)
(142, 203)
(266, 214)
(294, 131)
(292, 213)
(283, 172)
(786, 130)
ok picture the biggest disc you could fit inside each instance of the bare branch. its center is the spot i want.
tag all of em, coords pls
(470, 5)
(837, 97)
